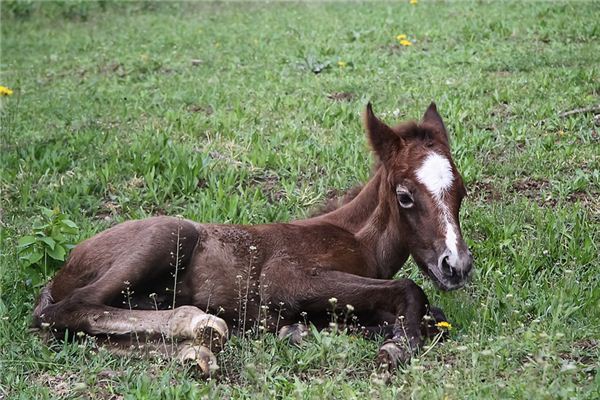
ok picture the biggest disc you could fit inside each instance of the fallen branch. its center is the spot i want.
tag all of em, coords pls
(584, 110)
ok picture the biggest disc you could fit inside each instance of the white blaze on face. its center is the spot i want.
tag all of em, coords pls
(436, 175)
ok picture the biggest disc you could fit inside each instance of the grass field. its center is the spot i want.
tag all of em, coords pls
(250, 113)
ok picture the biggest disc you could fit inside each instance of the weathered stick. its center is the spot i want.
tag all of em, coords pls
(580, 111)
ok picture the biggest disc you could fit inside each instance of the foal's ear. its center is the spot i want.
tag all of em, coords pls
(433, 118)
(382, 137)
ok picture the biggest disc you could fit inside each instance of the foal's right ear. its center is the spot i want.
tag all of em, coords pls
(433, 118)
(382, 137)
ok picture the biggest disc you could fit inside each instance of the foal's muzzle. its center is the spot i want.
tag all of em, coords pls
(455, 268)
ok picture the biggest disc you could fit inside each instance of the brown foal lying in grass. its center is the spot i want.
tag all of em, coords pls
(192, 283)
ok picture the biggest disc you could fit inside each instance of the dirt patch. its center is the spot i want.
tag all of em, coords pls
(531, 188)
(268, 182)
(203, 109)
(583, 353)
(340, 96)
(538, 190)
(109, 209)
(502, 110)
(484, 190)
(114, 68)
(535, 190)
(590, 201)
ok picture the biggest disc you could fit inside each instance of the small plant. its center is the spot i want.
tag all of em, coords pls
(45, 250)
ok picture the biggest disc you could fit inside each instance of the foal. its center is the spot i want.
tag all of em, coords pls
(192, 282)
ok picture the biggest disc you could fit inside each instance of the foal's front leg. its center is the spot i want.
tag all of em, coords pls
(400, 304)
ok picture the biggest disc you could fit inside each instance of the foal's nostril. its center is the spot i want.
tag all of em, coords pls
(446, 267)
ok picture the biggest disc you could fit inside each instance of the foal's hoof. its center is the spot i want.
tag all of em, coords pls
(199, 356)
(190, 323)
(294, 333)
(210, 332)
(391, 355)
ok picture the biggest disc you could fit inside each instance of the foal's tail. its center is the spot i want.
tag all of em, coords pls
(43, 302)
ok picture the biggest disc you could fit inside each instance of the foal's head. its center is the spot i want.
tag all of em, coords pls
(425, 191)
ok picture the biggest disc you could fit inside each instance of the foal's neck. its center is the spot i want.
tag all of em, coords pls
(375, 223)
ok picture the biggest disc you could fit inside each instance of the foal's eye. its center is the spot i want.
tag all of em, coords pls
(404, 198)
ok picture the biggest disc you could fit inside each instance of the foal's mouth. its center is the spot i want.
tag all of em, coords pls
(444, 282)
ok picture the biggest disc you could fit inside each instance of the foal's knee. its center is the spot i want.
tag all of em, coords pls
(414, 298)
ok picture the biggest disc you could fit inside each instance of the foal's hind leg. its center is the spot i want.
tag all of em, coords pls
(151, 249)
(187, 332)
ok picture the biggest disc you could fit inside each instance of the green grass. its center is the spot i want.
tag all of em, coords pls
(111, 121)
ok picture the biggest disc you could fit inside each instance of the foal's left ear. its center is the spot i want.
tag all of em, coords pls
(433, 118)
(382, 137)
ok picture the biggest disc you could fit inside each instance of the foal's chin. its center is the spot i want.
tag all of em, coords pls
(442, 283)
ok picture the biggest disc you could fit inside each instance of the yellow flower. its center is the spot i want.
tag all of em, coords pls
(405, 43)
(402, 36)
(413, 2)
(342, 64)
(444, 325)
(4, 91)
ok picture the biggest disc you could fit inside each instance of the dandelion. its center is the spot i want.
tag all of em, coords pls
(342, 64)
(4, 91)
(405, 43)
(414, 2)
(402, 36)
(444, 325)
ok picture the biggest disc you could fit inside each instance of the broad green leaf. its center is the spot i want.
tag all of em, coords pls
(57, 234)
(31, 257)
(40, 226)
(49, 241)
(26, 241)
(58, 253)
(70, 224)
